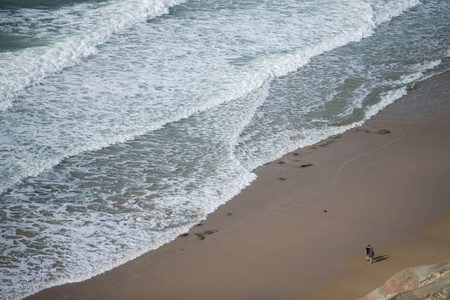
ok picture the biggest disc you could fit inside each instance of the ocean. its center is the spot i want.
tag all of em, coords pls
(123, 123)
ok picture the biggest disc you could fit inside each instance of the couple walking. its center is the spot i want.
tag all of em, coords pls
(369, 253)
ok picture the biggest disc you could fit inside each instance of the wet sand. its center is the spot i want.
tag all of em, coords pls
(299, 231)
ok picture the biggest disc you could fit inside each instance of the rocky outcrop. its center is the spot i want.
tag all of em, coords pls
(430, 282)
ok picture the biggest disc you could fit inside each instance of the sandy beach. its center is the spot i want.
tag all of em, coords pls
(299, 231)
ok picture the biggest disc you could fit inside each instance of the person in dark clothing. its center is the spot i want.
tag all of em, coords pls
(371, 254)
(367, 252)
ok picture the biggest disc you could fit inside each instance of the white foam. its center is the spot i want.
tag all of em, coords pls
(406, 81)
(385, 11)
(121, 236)
(98, 240)
(216, 80)
(323, 82)
(95, 26)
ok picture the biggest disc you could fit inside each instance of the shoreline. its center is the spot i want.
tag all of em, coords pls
(296, 232)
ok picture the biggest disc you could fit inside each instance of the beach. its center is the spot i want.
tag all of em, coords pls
(299, 231)
(126, 123)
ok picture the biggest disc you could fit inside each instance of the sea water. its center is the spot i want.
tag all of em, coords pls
(125, 122)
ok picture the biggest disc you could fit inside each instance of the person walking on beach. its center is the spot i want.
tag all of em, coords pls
(367, 252)
(371, 254)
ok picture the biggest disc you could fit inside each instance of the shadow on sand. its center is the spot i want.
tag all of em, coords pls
(380, 258)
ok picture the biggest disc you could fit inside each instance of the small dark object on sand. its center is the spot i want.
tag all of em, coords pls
(200, 236)
(210, 231)
(383, 131)
(305, 165)
(282, 178)
(325, 210)
(184, 235)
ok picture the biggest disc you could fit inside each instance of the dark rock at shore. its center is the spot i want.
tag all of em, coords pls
(200, 236)
(184, 235)
(210, 231)
(305, 165)
(383, 131)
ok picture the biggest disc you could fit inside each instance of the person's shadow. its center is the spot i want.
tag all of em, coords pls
(379, 258)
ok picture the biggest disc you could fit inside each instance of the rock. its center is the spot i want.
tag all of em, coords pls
(200, 236)
(229, 214)
(210, 231)
(325, 210)
(423, 282)
(383, 131)
(304, 165)
(282, 178)
(282, 162)
(184, 235)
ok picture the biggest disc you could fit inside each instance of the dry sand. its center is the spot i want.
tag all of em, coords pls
(300, 233)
